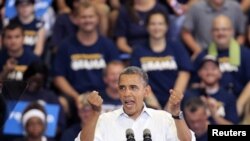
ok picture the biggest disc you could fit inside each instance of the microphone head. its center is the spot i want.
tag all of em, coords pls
(129, 133)
(146, 133)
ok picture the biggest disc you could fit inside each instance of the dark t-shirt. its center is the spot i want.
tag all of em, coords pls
(234, 78)
(71, 133)
(163, 67)
(134, 31)
(82, 65)
(63, 28)
(22, 63)
(203, 137)
(228, 101)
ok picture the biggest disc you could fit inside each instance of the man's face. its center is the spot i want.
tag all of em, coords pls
(197, 120)
(132, 90)
(87, 19)
(112, 76)
(25, 9)
(222, 33)
(13, 39)
(210, 73)
(85, 113)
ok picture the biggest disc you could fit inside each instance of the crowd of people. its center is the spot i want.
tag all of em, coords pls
(199, 47)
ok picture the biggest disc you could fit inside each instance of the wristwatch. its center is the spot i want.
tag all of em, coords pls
(180, 116)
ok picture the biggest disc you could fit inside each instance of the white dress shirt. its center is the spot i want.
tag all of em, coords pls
(112, 126)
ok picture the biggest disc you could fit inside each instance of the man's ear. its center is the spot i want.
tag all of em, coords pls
(147, 90)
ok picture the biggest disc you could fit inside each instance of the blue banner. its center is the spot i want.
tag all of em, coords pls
(41, 7)
(13, 125)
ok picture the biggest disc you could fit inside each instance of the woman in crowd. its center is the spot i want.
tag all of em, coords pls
(130, 27)
(166, 62)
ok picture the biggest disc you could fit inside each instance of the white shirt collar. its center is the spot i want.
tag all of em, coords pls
(145, 110)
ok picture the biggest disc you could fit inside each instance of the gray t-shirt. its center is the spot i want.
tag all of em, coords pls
(199, 20)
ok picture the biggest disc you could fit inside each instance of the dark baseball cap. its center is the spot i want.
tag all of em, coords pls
(24, 1)
(209, 58)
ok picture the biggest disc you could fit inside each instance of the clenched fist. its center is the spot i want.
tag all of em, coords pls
(95, 101)
(174, 102)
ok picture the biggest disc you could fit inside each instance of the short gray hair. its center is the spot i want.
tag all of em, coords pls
(135, 70)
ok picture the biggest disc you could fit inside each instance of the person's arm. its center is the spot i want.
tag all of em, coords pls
(115, 4)
(62, 6)
(240, 28)
(182, 81)
(64, 86)
(242, 100)
(241, 39)
(245, 5)
(191, 43)
(173, 107)
(103, 11)
(122, 44)
(39, 48)
(213, 106)
(88, 131)
(221, 121)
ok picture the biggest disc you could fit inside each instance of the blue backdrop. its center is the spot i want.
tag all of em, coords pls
(40, 8)
(13, 125)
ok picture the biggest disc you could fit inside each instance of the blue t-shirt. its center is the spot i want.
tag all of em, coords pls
(203, 137)
(82, 65)
(62, 29)
(71, 133)
(22, 63)
(30, 32)
(234, 78)
(134, 32)
(109, 104)
(162, 68)
(228, 101)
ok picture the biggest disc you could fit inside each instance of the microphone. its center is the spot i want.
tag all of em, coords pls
(130, 135)
(147, 135)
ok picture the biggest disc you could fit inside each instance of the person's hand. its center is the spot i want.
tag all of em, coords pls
(213, 106)
(95, 101)
(10, 65)
(196, 53)
(64, 10)
(174, 102)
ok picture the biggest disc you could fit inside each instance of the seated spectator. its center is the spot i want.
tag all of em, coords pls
(85, 113)
(130, 27)
(34, 32)
(166, 62)
(111, 97)
(34, 120)
(81, 58)
(220, 103)
(196, 117)
(233, 60)
(198, 23)
(14, 59)
(36, 75)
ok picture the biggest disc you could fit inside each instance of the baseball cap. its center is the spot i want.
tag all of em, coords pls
(209, 58)
(24, 1)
